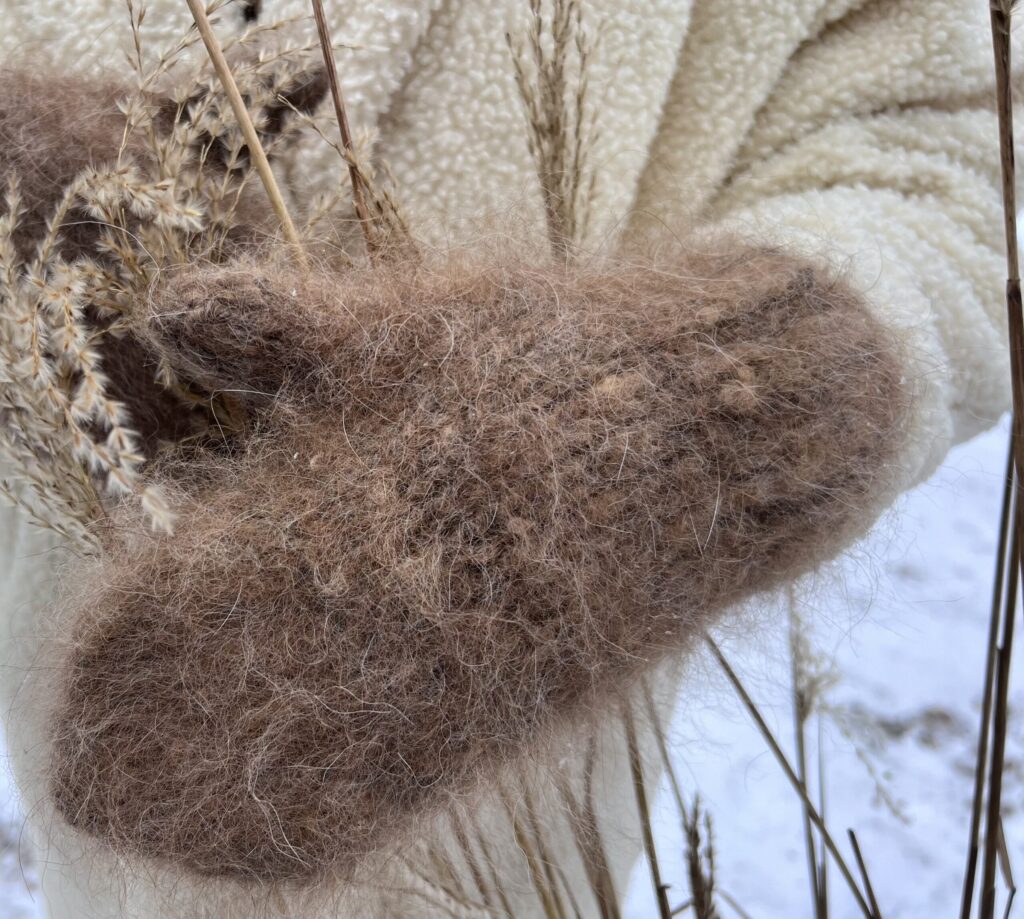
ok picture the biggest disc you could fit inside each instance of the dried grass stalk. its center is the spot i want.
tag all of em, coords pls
(643, 809)
(552, 67)
(355, 177)
(582, 816)
(700, 861)
(109, 187)
(791, 775)
(997, 674)
(252, 140)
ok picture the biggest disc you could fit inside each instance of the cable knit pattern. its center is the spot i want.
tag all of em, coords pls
(856, 131)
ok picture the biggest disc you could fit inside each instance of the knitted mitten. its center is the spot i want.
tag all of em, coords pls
(472, 501)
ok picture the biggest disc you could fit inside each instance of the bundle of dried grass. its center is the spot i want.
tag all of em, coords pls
(471, 500)
(551, 64)
(106, 188)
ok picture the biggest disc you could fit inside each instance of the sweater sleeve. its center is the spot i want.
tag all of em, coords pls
(373, 41)
(874, 145)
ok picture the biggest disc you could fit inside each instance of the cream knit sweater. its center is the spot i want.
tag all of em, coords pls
(857, 131)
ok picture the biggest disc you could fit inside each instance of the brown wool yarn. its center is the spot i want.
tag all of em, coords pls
(54, 126)
(474, 500)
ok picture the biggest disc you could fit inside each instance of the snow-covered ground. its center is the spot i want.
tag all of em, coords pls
(905, 623)
(19, 895)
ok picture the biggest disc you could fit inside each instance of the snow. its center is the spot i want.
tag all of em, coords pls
(904, 621)
(19, 893)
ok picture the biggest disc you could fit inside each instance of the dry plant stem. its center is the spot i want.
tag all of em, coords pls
(488, 859)
(700, 864)
(993, 822)
(588, 844)
(822, 857)
(1001, 11)
(561, 134)
(800, 714)
(740, 911)
(659, 734)
(442, 884)
(452, 886)
(773, 744)
(358, 193)
(1000, 17)
(863, 868)
(544, 892)
(606, 885)
(256, 151)
(547, 863)
(471, 861)
(644, 811)
(684, 811)
(1006, 867)
(573, 903)
(1007, 515)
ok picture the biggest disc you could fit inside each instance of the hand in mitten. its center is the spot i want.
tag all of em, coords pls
(66, 145)
(473, 501)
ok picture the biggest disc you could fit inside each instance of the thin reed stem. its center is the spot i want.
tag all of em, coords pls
(609, 897)
(773, 744)
(865, 877)
(1007, 868)
(547, 862)
(740, 911)
(489, 862)
(587, 835)
(341, 113)
(551, 65)
(700, 864)
(1007, 514)
(822, 857)
(471, 861)
(644, 811)
(993, 819)
(252, 140)
(1000, 13)
(666, 759)
(548, 897)
(800, 715)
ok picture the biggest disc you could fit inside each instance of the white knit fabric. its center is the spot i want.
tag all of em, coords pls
(855, 130)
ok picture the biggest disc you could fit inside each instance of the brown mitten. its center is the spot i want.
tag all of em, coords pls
(474, 501)
(58, 128)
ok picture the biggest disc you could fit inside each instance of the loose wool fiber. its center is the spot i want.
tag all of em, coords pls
(54, 127)
(474, 499)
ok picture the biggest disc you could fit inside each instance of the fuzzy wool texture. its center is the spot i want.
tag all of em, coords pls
(854, 130)
(475, 499)
(53, 127)
(843, 131)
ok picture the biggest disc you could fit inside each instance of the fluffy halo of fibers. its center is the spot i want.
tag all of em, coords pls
(475, 498)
